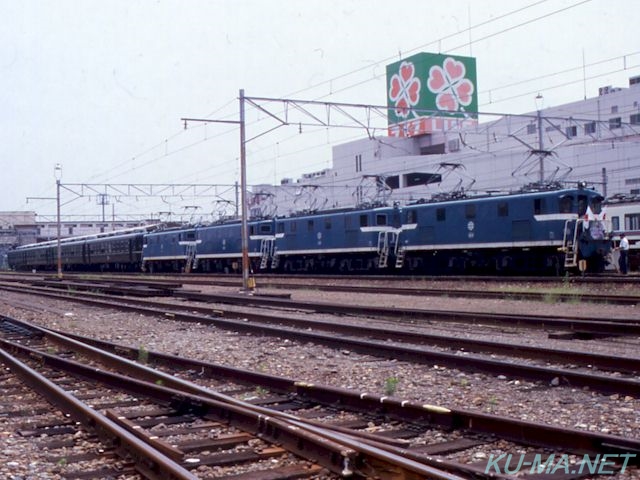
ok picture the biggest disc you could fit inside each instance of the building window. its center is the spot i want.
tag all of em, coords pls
(358, 163)
(634, 119)
(614, 109)
(589, 128)
(615, 122)
(572, 131)
(454, 145)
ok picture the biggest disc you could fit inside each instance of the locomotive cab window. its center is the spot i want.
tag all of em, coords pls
(503, 209)
(596, 205)
(583, 203)
(363, 221)
(381, 219)
(327, 224)
(266, 228)
(412, 217)
(566, 204)
(441, 214)
(310, 226)
(280, 227)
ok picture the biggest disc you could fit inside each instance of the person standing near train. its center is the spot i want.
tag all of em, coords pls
(623, 262)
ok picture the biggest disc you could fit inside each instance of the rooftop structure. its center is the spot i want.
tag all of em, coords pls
(596, 140)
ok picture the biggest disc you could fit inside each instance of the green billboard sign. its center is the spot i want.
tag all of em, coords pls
(430, 92)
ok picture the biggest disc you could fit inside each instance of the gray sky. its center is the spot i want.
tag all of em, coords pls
(100, 86)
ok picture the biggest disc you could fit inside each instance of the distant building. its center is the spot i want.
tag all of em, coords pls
(16, 228)
(595, 140)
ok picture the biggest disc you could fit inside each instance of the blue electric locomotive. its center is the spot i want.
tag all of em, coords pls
(211, 248)
(533, 232)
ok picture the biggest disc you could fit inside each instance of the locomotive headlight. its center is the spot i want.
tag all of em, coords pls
(582, 184)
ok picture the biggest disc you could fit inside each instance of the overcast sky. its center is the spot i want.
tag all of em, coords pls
(100, 86)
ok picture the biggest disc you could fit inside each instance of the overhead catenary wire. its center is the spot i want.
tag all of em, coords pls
(221, 166)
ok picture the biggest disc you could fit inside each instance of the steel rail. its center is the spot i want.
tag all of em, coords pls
(148, 461)
(316, 444)
(305, 284)
(504, 427)
(625, 327)
(407, 353)
(418, 290)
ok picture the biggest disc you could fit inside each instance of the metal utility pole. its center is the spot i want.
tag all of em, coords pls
(58, 174)
(248, 284)
(539, 100)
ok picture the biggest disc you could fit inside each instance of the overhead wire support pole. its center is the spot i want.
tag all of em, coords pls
(58, 174)
(248, 284)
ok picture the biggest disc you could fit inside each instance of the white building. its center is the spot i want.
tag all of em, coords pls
(596, 140)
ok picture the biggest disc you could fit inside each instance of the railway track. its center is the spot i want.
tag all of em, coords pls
(362, 435)
(417, 286)
(585, 370)
(579, 326)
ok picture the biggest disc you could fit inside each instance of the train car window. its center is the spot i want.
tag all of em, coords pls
(265, 228)
(280, 227)
(566, 204)
(309, 225)
(327, 224)
(615, 223)
(363, 221)
(191, 235)
(538, 206)
(381, 219)
(583, 202)
(503, 209)
(470, 211)
(412, 216)
(441, 215)
(632, 221)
